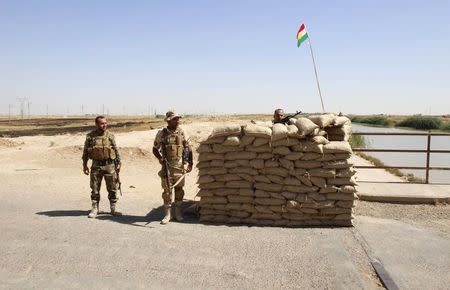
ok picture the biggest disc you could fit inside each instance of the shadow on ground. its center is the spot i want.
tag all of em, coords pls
(155, 215)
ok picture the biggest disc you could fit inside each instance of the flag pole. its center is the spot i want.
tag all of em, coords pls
(315, 72)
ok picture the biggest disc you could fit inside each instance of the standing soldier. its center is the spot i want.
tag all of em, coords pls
(100, 146)
(173, 151)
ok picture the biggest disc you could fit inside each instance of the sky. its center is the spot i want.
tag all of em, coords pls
(224, 57)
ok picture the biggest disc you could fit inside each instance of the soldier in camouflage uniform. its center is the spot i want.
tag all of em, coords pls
(172, 144)
(100, 146)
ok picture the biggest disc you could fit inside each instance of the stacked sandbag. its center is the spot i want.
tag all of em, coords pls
(277, 175)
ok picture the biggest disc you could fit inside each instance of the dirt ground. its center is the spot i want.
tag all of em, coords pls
(50, 243)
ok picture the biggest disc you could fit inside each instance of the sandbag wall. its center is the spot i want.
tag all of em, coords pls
(278, 175)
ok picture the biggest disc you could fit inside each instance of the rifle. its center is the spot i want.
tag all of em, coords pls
(285, 120)
(165, 168)
(118, 180)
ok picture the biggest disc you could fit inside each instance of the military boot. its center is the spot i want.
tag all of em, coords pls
(178, 213)
(113, 209)
(94, 211)
(167, 214)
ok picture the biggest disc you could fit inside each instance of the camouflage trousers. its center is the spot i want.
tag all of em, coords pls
(175, 175)
(107, 171)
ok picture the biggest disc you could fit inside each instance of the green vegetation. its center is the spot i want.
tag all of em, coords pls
(421, 123)
(445, 126)
(372, 120)
(357, 141)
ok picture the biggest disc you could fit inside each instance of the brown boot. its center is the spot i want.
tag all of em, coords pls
(113, 209)
(178, 213)
(167, 215)
(94, 210)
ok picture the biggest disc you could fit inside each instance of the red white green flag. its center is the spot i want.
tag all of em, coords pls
(302, 35)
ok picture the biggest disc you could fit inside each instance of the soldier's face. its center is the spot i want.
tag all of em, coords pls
(174, 122)
(101, 124)
(278, 115)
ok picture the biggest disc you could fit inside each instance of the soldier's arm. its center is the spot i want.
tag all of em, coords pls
(85, 156)
(116, 150)
(157, 146)
(190, 156)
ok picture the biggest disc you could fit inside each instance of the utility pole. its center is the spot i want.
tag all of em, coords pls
(28, 104)
(82, 109)
(46, 109)
(22, 105)
(103, 109)
(9, 112)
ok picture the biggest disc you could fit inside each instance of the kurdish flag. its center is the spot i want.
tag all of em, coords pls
(302, 35)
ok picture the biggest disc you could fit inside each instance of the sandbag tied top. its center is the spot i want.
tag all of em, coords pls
(279, 175)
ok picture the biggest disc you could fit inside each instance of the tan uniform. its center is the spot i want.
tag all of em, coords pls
(172, 144)
(102, 149)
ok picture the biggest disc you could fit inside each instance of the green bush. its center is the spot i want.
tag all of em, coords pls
(357, 141)
(420, 122)
(374, 120)
(445, 126)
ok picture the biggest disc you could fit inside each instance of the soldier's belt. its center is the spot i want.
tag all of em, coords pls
(102, 162)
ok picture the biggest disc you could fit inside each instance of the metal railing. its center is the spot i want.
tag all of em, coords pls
(428, 151)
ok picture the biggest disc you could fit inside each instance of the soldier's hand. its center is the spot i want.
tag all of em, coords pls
(161, 161)
(118, 167)
(189, 168)
(85, 169)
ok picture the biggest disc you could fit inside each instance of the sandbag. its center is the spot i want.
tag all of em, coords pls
(227, 177)
(323, 120)
(337, 147)
(219, 148)
(341, 121)
(286, 142)
(231, 141)
(268, 186)
(320, 140)
(246, 140)
(260, 141)
(205, 179)
(240, 155)
(216, 163)
(305, 126)
(257, 163)
(246, 170)
(279, 131)
(204, 148)
(226, 130)
(282, 150)
(257, 131)
(259, 149)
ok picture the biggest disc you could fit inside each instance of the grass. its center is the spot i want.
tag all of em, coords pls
(445, 126)
(421, 123)
(373, 120)
(357, 141)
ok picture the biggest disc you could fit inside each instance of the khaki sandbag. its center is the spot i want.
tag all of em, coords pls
(300, 188)
(261, 193)
(275, 171)
(246, 140)
(279, 131)
(322, 172)
(295, 216)
(262, 178)
(265, 156)
(305, 126)
(288, 164)
(342, 196)
(247, 177)
(268, 124)
(246, 192)
(282, 150)
(345, 203)
(214, 171)
(204, 148)
(269, 201)
(227, 177)
(203, 164)
(301, 197)
(234, 206)
(311, 156)
(219, 148)
(210, 156)
(230, 164)
(320, 140)
(335, 210)
(265, 216)
(257, 163)
(293, 131)
(263, 209)
(286, 142)
(318, 181)
(226, 130)
(324, 120)
(344, 130)
(275, 179)
(345, 172)
(214, 199)
(246, 170)
(344, 216)
(337, 147)
(278, 208)
(260, 141)
(317, 196)
(259, 149)
(347, 189)
(289, 195)
(225, 191)
(239, 184)
(238, 214)
(268, 186)
(242, 163)
(218, 140)
(341, 121)
(270, 163)
(212, 185)
(305, 180)
(308, 146)
(338, 164)
(329, 189)
(342, 156)
(307, 164)
(240, 155)
(240, 199)
(334, 137)
(231, 141)
(257, 131)
(205, 192)
(294, 156)
(205, 179)
(291, 181)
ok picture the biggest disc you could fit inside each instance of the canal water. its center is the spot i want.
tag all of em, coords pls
(409, 159)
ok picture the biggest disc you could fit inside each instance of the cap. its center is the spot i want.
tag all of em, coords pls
(171, 115)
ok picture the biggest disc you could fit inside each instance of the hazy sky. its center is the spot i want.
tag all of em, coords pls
(224, 56)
